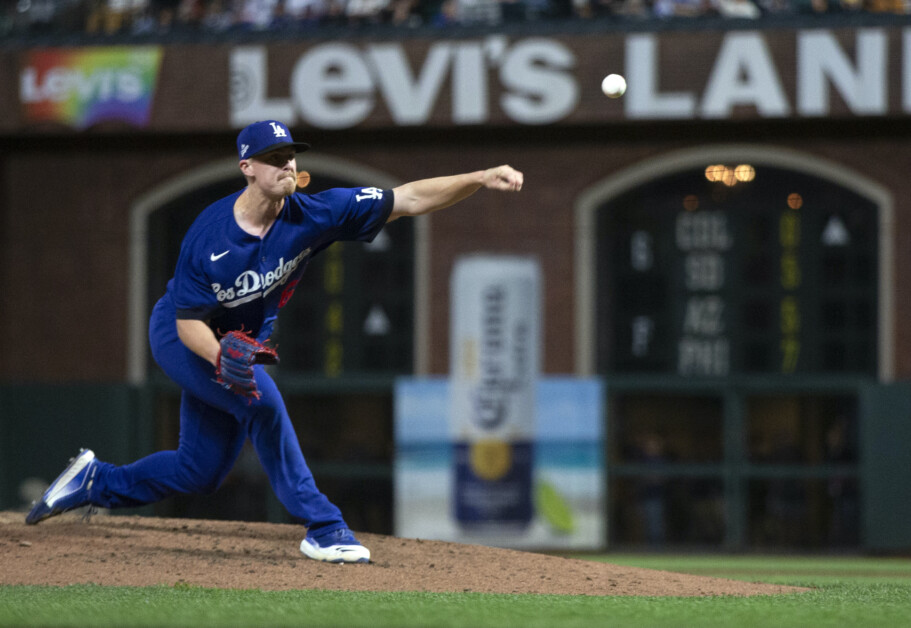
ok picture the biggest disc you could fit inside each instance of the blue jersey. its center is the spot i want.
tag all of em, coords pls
(236, 280)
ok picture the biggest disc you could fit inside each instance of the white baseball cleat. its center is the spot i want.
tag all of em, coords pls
(338, 546)
(70, 490)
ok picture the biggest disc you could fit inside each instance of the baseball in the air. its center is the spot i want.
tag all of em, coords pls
(613, 85)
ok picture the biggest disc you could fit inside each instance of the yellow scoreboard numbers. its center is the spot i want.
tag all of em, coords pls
(352, 313)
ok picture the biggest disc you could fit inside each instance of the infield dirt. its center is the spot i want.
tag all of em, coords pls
(144, 551)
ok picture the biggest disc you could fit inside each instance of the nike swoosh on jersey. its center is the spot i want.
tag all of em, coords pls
(215, 257)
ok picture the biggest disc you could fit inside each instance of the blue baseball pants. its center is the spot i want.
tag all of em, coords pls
(214, 424)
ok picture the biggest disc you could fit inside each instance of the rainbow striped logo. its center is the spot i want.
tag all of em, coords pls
(82, 87)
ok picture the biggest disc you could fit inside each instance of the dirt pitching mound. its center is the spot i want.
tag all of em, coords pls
(144, 551)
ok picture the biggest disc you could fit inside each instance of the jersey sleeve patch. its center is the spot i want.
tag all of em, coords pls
(359, 213)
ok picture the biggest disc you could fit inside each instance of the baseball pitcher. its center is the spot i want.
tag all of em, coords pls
(239, 263)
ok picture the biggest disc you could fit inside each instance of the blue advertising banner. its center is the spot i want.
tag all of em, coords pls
(567, 459)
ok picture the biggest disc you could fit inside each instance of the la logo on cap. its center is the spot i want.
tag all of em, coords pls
(279, 131)
(261, 137)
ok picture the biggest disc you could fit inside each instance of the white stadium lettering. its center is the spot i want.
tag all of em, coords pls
(338, 85)
(540, 80)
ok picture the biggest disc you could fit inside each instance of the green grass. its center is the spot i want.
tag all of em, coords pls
(778, 570)
(847, 592)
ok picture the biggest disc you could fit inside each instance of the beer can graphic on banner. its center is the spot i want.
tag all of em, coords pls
(494, 366)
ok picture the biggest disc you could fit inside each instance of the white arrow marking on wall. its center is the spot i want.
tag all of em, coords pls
(376, 323)
(835, 233)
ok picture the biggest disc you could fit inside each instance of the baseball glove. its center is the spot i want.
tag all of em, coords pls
(236, 357)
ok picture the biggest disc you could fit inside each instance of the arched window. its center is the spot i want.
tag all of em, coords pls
(737, 301)
(735, 261)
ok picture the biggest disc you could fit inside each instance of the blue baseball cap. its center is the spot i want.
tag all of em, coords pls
(264, 136)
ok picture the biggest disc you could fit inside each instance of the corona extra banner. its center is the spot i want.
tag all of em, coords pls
(494, 365)
(559, 505)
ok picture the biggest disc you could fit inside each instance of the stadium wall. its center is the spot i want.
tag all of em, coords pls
(92, 129)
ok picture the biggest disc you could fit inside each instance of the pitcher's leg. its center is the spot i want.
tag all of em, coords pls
(210, 442)
(276, 444)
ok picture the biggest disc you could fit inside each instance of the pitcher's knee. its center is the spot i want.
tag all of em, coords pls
(268, 412)
(200, 482)
(200, 485)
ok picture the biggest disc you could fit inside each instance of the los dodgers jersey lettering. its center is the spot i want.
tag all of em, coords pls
(236, 280)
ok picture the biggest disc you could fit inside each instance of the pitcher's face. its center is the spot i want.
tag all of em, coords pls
(274, 172)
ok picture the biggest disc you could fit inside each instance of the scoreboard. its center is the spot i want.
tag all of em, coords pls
(733, 269)
(353, 310)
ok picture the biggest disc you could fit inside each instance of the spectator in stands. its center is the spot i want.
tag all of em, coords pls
(777, 7)
(217, 17)
(737, 9)
(117, 16)
(446, 14)
(851, 6)
(361, 12)
(189, 14)
(280, 20)
(406, 13)
(888, 6)
(335, 12)
(487, 12)
(525, 10)
(143, 21)
(635, 9)
(96, 19)
(39, 15)
(305, 11)
(811, 6)
(100, 18)
(256, 14)
(165, 22)
(681, 8)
